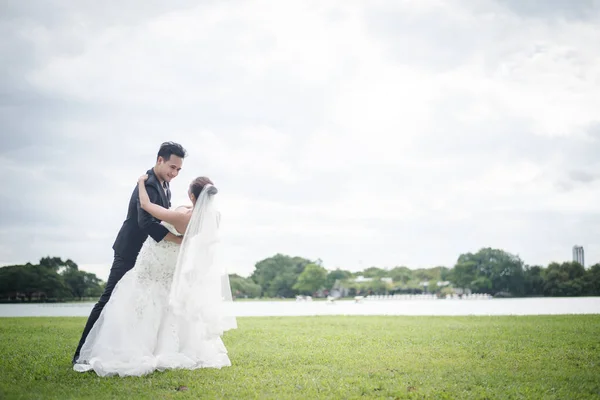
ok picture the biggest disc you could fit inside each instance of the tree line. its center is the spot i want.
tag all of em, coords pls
(492, 271)
(52, 279)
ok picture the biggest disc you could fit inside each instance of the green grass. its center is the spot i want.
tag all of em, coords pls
(550, 357)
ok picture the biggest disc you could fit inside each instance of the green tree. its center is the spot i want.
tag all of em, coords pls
(52, 263)
(376, 286)
(432, 287)
(566, 279)
(534, 280)
(481, 284)
(493, 268)
(427, 274)
(26, 282)
(313, 278)
(337, 275)
(374, 272)
(277, 275)
(82, 283)
(244, 287)
(282, 285)
(401, 274)
(44, 281)
(445, 273)
(48, 285)
(592, 277)
(464, 273)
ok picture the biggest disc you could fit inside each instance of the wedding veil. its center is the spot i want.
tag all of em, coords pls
(200, 291)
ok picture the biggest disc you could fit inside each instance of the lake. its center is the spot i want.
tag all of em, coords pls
(440, 307)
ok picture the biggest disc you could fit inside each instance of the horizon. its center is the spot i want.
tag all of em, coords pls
(102, 271)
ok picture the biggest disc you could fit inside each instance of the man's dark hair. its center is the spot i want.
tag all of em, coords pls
(167, 149)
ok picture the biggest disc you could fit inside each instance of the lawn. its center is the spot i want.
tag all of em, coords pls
(550, 357)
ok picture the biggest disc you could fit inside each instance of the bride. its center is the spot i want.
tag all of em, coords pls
(171, 309)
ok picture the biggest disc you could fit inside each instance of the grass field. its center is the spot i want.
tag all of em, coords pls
(549, 357)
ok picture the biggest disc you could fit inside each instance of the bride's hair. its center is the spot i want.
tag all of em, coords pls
(198, 184)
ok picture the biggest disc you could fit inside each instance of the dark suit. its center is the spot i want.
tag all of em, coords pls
(139, 224)
(136, 228)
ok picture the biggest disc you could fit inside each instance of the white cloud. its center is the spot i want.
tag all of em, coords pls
(384, 133)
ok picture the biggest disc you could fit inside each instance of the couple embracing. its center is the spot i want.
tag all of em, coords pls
(165, 305)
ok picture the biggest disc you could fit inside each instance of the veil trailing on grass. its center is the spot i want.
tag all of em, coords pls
(200, 292)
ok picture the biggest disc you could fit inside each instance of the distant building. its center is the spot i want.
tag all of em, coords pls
(361, 278)
(578, 255)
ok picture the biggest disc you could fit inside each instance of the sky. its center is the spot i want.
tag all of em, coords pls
(381, 133)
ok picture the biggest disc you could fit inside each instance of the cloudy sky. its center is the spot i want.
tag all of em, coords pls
(363, 133)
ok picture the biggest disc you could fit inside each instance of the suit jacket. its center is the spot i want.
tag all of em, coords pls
(138, 224)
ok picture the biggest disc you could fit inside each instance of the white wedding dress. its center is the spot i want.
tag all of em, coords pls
(139, 331)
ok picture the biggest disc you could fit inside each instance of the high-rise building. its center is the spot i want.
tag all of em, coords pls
(578, 255)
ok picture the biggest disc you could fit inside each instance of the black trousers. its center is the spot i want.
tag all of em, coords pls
(119, 268)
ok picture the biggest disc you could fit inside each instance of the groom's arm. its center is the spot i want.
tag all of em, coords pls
(147, 222)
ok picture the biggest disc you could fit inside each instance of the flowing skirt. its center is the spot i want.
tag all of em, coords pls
(137, 332)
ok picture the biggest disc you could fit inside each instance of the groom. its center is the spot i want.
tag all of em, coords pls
(139, 225)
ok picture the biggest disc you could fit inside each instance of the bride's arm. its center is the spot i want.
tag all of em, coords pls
(175, 218)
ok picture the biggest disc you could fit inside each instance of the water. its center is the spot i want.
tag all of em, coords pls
(530, 306)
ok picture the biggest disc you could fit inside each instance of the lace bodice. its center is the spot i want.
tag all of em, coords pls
(156, 260)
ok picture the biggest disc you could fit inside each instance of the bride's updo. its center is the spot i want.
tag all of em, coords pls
(198, 184)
